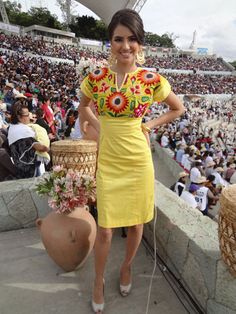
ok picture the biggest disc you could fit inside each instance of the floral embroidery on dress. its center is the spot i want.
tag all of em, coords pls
(148, 78)
(140, 110)
(117, 102)
(134, 97)
(98, 74)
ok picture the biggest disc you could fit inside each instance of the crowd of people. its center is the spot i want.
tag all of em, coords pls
(44, 48)
(49, 92)
(183, 62)
(208, 162)
(72, 52)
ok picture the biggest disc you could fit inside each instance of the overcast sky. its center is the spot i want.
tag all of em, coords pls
(213, 20)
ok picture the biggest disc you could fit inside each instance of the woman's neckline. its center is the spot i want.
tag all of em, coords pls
(125, 72)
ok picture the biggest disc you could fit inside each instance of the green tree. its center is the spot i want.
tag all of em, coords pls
(84, 26)
(101, 31)
(152, 39)
(38, 16)
(165, 40)
(42, 16)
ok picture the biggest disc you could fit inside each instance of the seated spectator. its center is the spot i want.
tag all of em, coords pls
(41, 121)
(209, 167)
(180, 152)
(165, 140)
(22, 142)
(3, 109)
(230, 171)
(209, 184)
(189, 196)
(203, 194)
(180, 185)
(219, 181)
(196, 171)
(7, 168)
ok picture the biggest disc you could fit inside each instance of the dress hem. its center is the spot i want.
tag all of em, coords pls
(130, 224)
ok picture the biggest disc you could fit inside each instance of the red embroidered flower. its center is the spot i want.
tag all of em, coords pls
(104, 87)
(98, 74)
(140, 110)
(148, 78)
(95, 89)
(147, 91)
(117, 102)
(135, 90)
(133, 78)
(109, 77)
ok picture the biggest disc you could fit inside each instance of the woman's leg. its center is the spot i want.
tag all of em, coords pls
(133, 240)
(101, 250)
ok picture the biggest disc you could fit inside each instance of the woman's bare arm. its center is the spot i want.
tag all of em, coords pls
(86, 113)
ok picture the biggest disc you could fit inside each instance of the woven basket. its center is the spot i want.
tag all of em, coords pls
(227, 227)
(80, 155)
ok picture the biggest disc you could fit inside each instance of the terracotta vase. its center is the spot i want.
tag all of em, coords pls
(68, 238)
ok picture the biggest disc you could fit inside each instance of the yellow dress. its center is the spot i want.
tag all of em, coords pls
(125, 173)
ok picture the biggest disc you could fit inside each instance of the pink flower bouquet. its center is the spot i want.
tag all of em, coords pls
(66, 189)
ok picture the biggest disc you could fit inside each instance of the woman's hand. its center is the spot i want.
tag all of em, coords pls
(40, 148)
(146, 134)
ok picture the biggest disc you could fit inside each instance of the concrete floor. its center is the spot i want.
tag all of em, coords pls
(31, 283)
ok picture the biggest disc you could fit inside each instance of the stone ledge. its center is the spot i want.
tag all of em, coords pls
(188, 243)
(20, 206)
(166, 155)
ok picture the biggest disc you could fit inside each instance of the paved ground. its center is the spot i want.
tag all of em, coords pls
(30, 282)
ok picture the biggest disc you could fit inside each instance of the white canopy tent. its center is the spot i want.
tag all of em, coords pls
(106, 8)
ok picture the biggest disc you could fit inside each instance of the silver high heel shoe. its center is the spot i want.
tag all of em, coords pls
(125, 290)
(99, 308)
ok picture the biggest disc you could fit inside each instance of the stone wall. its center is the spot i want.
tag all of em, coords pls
(20, 206)
(188, 243)
(166, 155)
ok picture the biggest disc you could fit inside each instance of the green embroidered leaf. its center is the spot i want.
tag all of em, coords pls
(145, 98)
(132, 105)
(121, 115)
(101, 102)
(95, 96)
(113, 90)
(111, 114)
(123, 90)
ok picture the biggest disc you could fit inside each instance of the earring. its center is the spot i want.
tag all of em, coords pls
(111, 59)
(140, 58)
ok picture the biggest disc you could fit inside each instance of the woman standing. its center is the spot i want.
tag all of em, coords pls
(122, 93)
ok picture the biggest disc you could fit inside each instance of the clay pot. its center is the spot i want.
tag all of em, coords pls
(68, 239)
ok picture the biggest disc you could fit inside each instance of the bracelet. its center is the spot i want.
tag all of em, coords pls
(145, 128)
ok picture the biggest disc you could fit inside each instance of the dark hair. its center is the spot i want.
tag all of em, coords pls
(39, 113)
(211, 178)
(128, 18)
(17, 110)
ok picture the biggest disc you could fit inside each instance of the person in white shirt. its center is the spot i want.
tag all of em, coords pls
(203, 194)
(189, 196)
(180, 185)
(165, 140)
(209, 168)
(219, 181)
(196, 171)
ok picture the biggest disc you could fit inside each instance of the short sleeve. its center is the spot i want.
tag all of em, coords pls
(86, 87)
(162, 91)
